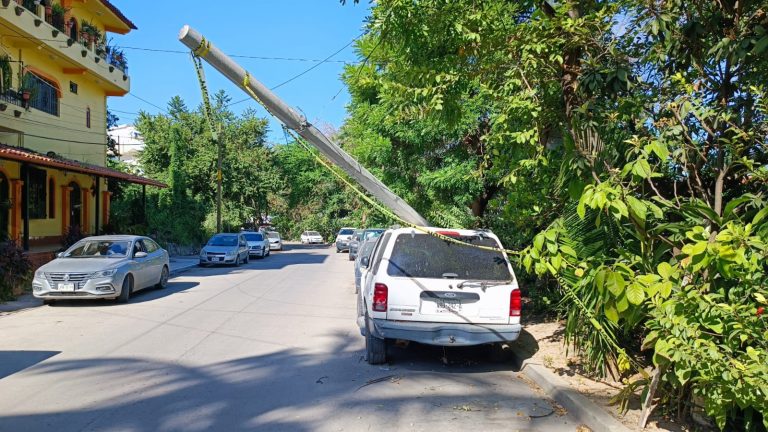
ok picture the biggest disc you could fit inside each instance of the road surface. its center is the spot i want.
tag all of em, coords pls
(271, 345)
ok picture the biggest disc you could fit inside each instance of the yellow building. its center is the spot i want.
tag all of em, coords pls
(56, 72)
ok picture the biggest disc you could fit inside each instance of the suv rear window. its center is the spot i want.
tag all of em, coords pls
(425, 256)
(346, 232)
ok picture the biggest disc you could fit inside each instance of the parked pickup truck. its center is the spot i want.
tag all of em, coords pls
(422, 288)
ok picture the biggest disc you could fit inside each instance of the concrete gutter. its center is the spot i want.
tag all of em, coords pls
(578, 405)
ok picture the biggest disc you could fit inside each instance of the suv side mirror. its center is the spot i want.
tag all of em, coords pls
(60, 255)
(365, 262)
(140, 254)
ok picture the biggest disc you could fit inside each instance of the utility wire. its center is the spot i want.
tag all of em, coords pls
(169, 51)
(325, 60)
(147, 102)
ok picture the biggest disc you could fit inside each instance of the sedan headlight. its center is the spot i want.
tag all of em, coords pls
(105, 273)
(230, 253)
(202, 252)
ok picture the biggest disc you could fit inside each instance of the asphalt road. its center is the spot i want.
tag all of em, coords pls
(271, 345)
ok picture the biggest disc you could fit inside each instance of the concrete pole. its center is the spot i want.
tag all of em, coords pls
(221, 62)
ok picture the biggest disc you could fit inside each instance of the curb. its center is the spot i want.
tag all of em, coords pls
(578, 405)
(179, 271)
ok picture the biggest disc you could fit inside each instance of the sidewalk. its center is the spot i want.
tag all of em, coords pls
(181, 264)
(27, 301)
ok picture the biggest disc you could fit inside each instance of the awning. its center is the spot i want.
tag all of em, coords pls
(20, 154)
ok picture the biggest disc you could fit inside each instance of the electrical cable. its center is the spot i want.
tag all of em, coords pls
(147, 102)
(325, 60)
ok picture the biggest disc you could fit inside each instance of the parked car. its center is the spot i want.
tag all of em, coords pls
(111, 267)
(343, 238)
(354, 241)
(258, 245)
(364, 251)
(364, 235)
(225, 248)
(310, 237)
(275, 241)
(426, 289)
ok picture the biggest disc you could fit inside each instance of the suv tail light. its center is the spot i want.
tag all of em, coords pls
(514, 303)
(380, 297)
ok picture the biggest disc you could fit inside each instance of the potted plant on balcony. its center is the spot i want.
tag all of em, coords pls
(58, 12)
(6, 73)
(27, 88)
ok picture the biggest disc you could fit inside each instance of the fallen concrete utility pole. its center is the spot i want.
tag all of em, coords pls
(293, 120)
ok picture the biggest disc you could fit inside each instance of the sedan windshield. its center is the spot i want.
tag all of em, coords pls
(313, 233)
(426, 256)
(273, 234)
(346, 231)
(99, 249)
(369, 234)
(254, 237)
(223, 241)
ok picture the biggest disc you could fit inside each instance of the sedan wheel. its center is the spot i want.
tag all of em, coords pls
(163, 278)
(237, 261)
(125, 291)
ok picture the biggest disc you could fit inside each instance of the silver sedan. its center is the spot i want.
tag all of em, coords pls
(111, 267)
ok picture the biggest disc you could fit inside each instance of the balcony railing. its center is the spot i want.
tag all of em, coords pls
(44, 96)
(12, 97)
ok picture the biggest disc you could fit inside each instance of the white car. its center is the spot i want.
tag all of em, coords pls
(422, 288)
(343, 237)
(111, 267)
(275, 242)
(258, 245)
(311, 237)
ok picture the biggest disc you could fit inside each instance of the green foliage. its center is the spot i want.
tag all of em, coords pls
(624, 144)
(15, 268)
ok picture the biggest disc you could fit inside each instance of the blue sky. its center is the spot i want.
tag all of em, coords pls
(308, 29)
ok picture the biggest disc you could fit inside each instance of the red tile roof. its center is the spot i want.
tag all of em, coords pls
(119, 14)
(21, 154)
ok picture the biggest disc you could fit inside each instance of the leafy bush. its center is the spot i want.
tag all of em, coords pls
(72, 235)
(15, 268)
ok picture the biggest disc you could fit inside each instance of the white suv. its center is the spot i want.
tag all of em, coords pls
(419, 287)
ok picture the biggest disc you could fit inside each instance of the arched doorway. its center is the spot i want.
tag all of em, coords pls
(5, 206)
(75, 204)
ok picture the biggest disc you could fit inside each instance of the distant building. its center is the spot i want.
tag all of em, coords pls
(129, 141)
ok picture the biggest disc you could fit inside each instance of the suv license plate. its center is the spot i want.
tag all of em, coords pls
(67, 287)
(444, 305)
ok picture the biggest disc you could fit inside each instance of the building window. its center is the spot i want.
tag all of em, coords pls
(51, 199)
(37, 193)
(73, 87)
(44, 95)
(88, 118)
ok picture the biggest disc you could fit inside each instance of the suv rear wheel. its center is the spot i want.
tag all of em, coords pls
(375, 348)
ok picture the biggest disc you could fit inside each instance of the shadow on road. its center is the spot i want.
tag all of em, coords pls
(15, 361)
(290, 389)
(145, 295)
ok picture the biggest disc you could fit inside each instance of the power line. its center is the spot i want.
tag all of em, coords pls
(255, 57)
(170, 51)
(104, 144)
(37, 122)
(148, 102)
(325, 60)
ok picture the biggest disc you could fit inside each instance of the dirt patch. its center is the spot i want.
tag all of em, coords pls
(544, 345)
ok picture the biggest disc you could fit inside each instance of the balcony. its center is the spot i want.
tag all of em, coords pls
(39, 95)
(41, 27)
